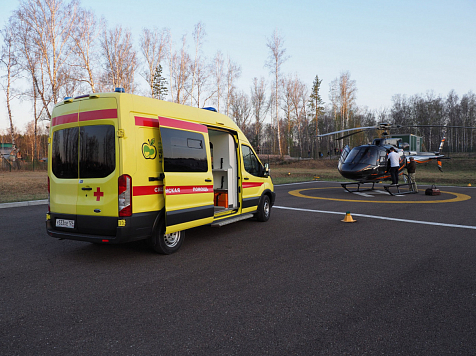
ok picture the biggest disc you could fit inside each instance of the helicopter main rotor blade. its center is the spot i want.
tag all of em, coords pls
(348, 130)
(444, 126)
(351, 134)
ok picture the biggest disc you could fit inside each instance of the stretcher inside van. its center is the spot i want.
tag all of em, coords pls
(123, 167)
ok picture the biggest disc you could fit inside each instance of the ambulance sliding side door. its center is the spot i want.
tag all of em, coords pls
(188, 182)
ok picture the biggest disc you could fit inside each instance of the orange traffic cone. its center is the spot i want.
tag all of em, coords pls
(348, 217)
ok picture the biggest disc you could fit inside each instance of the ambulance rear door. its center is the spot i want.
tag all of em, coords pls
(98, 164)
(63, 162)
(188, 182)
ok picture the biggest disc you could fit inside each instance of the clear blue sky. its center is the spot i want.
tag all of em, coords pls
(389, 47)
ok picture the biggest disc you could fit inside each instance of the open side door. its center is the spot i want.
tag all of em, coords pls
(188, 182)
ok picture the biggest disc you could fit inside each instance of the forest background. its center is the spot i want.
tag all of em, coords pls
(53, 49)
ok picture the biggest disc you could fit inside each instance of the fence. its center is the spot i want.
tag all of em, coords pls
(21, 165)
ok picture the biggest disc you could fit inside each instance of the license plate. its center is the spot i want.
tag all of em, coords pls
(65, 223)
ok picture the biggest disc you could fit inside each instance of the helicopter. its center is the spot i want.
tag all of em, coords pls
(368, 163)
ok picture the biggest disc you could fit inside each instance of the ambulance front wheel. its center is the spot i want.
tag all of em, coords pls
(264, 209)
(166, 243)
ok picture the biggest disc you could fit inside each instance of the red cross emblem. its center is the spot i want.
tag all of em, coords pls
(98, 194)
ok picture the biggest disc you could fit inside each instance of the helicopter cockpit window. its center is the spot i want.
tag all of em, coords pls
(363, 155)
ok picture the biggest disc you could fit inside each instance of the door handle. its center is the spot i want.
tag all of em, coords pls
(208, 180)
(160, 177)
(87, 188)
(246, 178)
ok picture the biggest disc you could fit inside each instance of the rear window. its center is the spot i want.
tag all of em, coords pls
(64, 159)
(84, 152)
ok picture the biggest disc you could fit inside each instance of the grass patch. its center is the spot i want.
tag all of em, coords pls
(456, 171)
(23, 186)
(28, 185)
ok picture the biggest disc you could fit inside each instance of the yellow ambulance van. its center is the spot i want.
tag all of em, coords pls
(122, 167)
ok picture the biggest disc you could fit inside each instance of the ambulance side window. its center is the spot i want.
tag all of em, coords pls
(250, 161)
(64, 160)
(183, 151)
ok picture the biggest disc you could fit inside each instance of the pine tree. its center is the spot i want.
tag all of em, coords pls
(315, 102)
(316, 107)
(159, 85)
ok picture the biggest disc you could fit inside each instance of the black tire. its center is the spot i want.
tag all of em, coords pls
(264, 209)
(166, 244)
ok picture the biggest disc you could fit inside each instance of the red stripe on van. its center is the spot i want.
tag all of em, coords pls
(147, 190)
(184, 125)
(64, 119)
(98, 114)
(145, 121)
(252, 184)
(187, 189)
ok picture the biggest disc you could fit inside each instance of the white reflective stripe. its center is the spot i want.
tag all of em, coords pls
(378, 217)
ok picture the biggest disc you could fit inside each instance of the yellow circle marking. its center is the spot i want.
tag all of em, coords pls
(458, 197)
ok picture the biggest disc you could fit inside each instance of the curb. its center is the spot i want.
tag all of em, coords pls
(23, 203)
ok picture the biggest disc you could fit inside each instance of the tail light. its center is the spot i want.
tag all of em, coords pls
(48, 194)
(125, 195)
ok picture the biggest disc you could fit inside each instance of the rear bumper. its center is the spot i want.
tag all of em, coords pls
(104, 229)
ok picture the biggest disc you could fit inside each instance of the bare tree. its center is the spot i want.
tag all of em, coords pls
(233, 72)
(258, 105)
(179, 73)
(121, 58)
(348, 92)
(51, 23)
(276, 58)
(196, 68)
(240, 109)
(298, 96)
(85, 47)
(217, 70)
(9, 61)
(153, 44)
(202, 74)
(342, 95)
(31, 63)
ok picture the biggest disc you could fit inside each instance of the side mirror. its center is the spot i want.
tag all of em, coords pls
(266, 170)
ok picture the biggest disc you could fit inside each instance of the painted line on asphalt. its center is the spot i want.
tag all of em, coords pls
(458, 198)
(378, 217)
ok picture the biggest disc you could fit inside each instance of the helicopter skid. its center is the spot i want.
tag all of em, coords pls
(344, 185)
(410, 188)
(386, 187)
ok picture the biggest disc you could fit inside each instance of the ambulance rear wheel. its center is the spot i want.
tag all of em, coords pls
(166, 244)
(264, 209)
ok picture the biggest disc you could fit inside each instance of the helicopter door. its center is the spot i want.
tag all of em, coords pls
(382, 163)
(343, 156)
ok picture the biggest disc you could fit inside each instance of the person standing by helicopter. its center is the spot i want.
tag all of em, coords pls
(394, 159)
(411, 169)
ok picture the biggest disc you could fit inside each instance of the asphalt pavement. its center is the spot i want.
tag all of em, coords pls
(398, 281)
